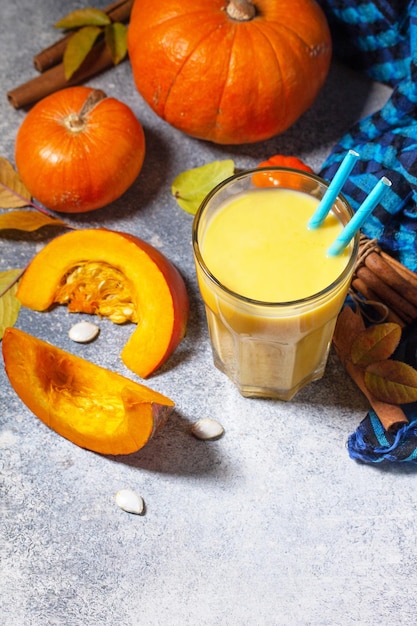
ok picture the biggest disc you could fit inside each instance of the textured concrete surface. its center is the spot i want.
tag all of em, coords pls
(273, 524)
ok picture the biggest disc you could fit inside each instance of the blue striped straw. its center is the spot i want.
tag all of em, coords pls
(366, 208)
(333, 189)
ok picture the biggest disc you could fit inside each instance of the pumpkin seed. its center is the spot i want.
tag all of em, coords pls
(130, 501)
(207, 428)
(83, 332)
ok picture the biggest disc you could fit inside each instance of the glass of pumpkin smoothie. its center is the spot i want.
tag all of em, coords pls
(271, 292)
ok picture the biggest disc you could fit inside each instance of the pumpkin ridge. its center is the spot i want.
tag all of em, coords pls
(285, 30)
(177, 76)
(253, 34)
(223, 88)
(164, 25)
(283, 98)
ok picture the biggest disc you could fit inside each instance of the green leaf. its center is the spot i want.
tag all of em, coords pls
(191, 187)
(27, 221)
(9, 304)
(375, 343)
(392, 381)
(83, 17)
(116, 39)
(13, 193)
(78, 47)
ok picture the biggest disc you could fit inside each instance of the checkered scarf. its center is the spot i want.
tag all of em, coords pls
(380, 38)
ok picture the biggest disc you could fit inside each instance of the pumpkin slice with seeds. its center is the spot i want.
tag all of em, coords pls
(115, 275)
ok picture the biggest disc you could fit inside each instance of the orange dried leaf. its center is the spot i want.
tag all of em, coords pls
(392, 381)
(375, 343)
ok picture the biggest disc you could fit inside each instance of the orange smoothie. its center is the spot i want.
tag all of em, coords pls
(259, 246)
(271, 293)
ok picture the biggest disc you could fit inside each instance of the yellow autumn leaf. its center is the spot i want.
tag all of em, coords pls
(191, 187)
(116, 39)
(27, 221)
(13, 193)
(78, 47)
(9, 304)
(83, 17)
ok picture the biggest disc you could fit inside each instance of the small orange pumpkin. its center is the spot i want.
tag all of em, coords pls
(229, 71)
(78, 150)
(267, 178)
(91, 406)
(114, 275)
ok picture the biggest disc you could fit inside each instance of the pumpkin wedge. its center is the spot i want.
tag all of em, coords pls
(114, 275)
(91, 406)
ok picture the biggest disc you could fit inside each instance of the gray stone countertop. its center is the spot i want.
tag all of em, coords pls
(273, 524)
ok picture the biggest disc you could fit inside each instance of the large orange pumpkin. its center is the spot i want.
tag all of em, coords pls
(229, 71)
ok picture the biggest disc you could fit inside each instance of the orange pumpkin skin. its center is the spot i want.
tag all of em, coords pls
(225, 80)
(72, 163)
(124, 278)
(91, 406)
(267, 178)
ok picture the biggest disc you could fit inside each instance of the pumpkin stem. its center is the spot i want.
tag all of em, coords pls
(76, 121)
(241, 10)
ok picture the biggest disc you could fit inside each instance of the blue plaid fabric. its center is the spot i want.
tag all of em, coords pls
(380, 38)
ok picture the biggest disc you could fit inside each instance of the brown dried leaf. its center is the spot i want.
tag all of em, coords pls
(78, 47)
(83, 17)
(13, 193)
(375, 343)
(392, 381)
(116, 39)
(27, 221)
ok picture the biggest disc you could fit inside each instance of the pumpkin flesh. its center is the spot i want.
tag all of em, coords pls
(226, 80)
(115, 275)
(91, 406)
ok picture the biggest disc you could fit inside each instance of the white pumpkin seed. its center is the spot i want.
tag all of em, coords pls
(207, 428)
(130, 501)
(83, 332)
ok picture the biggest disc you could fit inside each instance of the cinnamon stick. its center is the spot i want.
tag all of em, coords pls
(384, 269)
(379, 276)
(348, 326)
(405, 272)
(98, 60)
(118, 12)
(394, 300)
